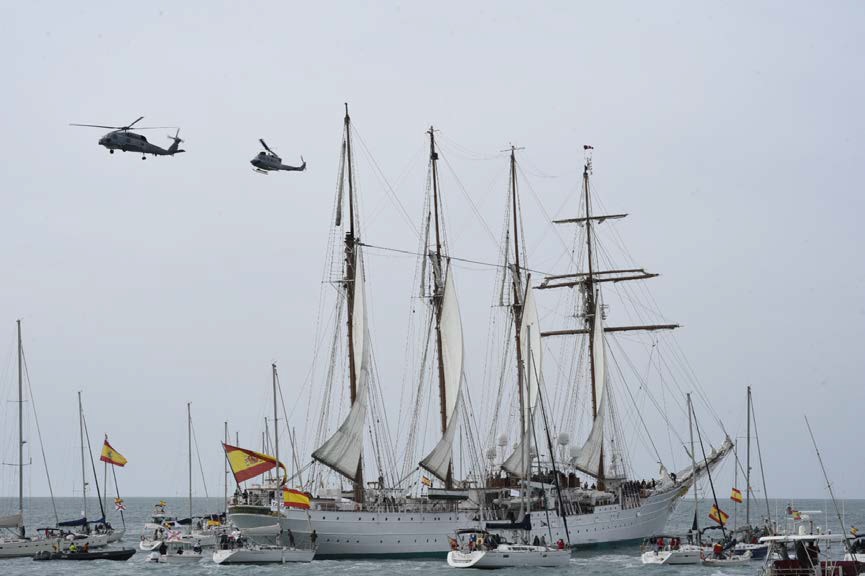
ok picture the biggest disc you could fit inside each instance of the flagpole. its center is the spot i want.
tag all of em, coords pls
(117, 491)
(225, 473)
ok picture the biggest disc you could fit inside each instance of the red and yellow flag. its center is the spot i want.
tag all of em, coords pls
(736, 495)
(246, 464)
(295, 499)
(719, 515)
(112, 456)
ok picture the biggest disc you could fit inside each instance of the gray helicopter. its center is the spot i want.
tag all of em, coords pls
(120, 138)
(268, 161)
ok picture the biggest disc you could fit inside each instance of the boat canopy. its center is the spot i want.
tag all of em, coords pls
(81, 522)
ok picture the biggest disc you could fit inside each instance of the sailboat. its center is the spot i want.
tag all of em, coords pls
(96, 533)
(19, 544)
(615, 508)
(165, 536)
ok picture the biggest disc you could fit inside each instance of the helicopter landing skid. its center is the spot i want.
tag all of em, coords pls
(260, 171)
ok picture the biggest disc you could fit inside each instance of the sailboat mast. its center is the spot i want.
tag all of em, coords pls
(225, 472)
(350, 284)
(438, 296)
(189, 446)
(693, 455)
(20, 431)
(748, 465)
(275, 424)
(83, 469)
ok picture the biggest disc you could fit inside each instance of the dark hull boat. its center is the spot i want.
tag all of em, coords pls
(121, 555)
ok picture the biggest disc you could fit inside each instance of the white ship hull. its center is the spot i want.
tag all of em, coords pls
(685, 554)
(350, 534)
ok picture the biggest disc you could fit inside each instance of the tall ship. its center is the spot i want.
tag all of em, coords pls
(363, 501)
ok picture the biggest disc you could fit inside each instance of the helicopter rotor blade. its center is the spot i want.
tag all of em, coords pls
(140, 118)
(98, 126)
(266, 147)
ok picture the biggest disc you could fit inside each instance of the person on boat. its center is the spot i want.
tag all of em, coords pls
(197, 548)
(163, 549)
(536, 541)
(718, 550)
(560, 544)
(290, 539)
(73, 548)
(660, 543)
(454, 544)
(313, 537)
(674, 543)
(86, 547)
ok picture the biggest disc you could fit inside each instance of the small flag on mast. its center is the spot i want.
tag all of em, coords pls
(112, 456)
(119, 505)
(718, 515)
(295, 499)
(736, 495)
(426, 481)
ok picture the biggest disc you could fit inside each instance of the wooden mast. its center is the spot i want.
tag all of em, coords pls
(517, 311)
(440, 277)
(349, 282)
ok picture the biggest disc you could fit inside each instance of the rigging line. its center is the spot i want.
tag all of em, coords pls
(39, 434)
(634, 402)
(200, 466)
(760, 458)
(550, 225)
(458, 259)
(464, 151)
(93, 465)
(391, 192)
(469, 199)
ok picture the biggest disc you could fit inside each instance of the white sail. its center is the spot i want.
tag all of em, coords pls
(438, 461)
(342, 451)
(11, 521)
(589, 458)
(530, 346)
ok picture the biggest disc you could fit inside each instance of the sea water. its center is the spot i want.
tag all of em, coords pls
(599, 561)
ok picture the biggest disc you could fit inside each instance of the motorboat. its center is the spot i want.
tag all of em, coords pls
(481, 549)
(120, 555)
(807, 558)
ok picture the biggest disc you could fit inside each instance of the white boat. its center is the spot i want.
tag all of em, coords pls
(255, 554)
(488, 551)
(176, 553)
(22, 547)
(727, 560)
(669, 550)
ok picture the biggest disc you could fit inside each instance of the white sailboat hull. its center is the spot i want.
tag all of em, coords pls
(270, 555)
(685, 554)
(507, 556)
(15, 548)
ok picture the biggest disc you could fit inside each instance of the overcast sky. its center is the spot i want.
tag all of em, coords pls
(732, 133)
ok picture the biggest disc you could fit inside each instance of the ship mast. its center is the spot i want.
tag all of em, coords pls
(351, 242)
(589, 283)
(438, 295)
(517, 313)
(275, 425)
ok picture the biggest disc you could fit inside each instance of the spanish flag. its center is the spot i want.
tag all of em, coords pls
(426, 481)
(111, 456)
(796, 515)
(736, 496)
(295, 499)
(246, 464)
(718, 515)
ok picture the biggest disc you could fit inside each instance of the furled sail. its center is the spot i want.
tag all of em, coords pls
(589, 458)
(342, 451)
(530, 345)
(11, 521)
(438, 461)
